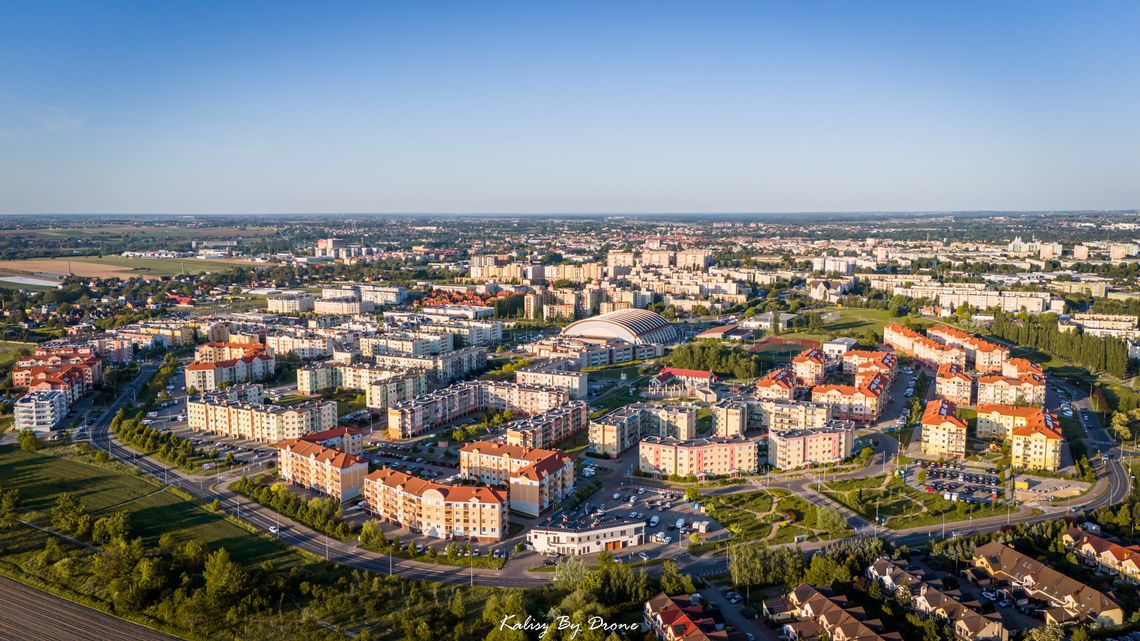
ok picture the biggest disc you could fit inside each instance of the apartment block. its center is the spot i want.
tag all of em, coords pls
(926, 351)
(290, 304)
(207, 376)
(954, 384)
(795, 448)
(981, 354)
(305, 345)
(1002, 390)
(810, 367)
(943, 433)
(429, 411)
(331, 472)
(264, 423)
(436, 510)
(349, 440)
(778, 384)
(538, 479)
(557, 373)
(616, 432)
(999, 421)
(860, 404)
(700, 458)
(449, 366)
(40, 412)
(549, 428)
(1036, 447)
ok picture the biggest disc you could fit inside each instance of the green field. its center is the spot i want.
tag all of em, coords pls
(855, 322)
(164, 266)
(41, 478)
(10, 350)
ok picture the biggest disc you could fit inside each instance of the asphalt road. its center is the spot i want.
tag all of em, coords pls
(31, 615)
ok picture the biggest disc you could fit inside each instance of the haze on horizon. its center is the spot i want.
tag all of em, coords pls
(586, 107)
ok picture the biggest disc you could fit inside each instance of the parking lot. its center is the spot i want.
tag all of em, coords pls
(961, 483)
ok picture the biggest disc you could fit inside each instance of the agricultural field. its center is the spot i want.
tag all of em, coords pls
(116, 266)
(41, 478)
(135, 231)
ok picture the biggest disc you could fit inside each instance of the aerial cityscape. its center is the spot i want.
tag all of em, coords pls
(621, 322)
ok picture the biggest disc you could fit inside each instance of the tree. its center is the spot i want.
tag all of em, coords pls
(69, 516)
(673, 582)
(457, 607)
(28, 441)
(829, 520)
(226, 581)
(1045, 633)
(9, 502)
(874, 590)
(569, 572)
(692, 493)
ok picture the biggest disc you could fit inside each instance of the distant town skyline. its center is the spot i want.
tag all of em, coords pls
(498, 108)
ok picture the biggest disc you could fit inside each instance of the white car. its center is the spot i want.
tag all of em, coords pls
(274, 530)
(617, 496)
(643, 556)
(641, 490)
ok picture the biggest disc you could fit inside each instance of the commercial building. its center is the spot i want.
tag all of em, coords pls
(538, 479)
(331, 472)
(561, 534)
(594, 352)
(795, 448)
(616, 432)
(943, 433)
(436, 510)
(699, 458)
(40, 412)
(636, 326)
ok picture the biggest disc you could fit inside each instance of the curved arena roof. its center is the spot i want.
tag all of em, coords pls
(630, 325)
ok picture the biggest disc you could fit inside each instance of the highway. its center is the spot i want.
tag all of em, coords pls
(1110, 489)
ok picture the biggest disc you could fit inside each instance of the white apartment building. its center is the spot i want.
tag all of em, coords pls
(39, 412)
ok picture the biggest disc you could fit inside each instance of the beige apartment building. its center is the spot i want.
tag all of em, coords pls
(1002, 390)
(810, 367)
(954, 384)
(556, 373)
(778, 384)
(999, 421)
(313, 466)
(943, 433)
(795, 448)
(263, 423)
(850, 403)
(1036, 447)
(621, 429)
(436, 510)
(538, 479)
(549, 428)
(700, 458)
(983, 355)
(925, 350)
(429, 411)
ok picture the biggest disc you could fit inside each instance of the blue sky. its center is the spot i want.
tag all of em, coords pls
(199, 106)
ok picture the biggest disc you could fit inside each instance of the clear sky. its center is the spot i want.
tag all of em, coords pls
(201, 106)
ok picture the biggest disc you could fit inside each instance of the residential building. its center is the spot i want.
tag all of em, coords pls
(1068, 599)
(621, 429)
(810, 366)
(795, 448)
(331, 472)
(549, 428)
(1099, 552)
(954, 384)
(430, 411)
(683, 618)
(207, 376)
(967, 623)
(436, 510)
(40, 412)
(1002, 390)
(926, 351)
(264, 423)
(1036, 447)
(819, 613)
(699, 458)
(981, 354)
(559, 373)
(860, 404)
(538, 479)
(943, 433)
(999, 421)
(778, 384)
(349, 440)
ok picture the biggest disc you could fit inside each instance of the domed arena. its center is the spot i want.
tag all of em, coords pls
(638, 326)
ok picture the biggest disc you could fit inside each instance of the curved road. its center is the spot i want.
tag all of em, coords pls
(1110, 489)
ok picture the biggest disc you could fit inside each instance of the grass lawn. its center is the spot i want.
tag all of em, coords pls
(42, 477)
(852, 321)
(10, 350)
(774, 516)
